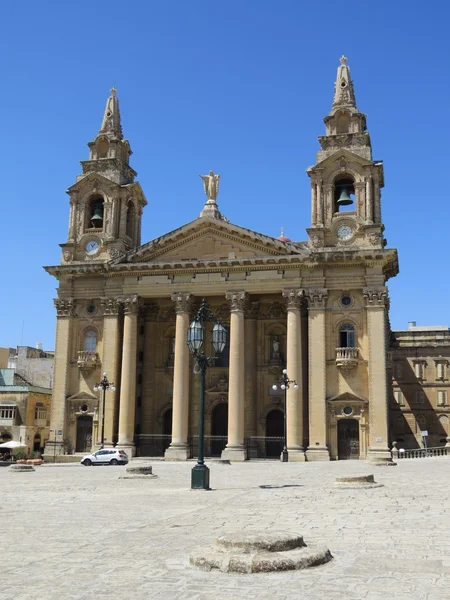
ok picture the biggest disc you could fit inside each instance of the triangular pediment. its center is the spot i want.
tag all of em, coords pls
(93, 180)
(208, 238)
(347, 397)
(340, 156)
(83, 396)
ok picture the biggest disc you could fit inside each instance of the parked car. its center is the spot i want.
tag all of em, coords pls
(110, 456)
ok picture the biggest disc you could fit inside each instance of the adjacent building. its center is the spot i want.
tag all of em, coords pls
(318, 308)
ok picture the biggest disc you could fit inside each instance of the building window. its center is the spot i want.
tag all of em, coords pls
(398, 370)
(441, 370)
(419, 369)
(7, 412)
(90, 340)
(40, 412)
(421, 423)
(441, 398)
(347, 336)
(398, 397)
(420, 397)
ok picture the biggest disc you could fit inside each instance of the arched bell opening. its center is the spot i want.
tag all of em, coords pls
(344, 194)
(102, 148)
(95, 211)
(343, 122)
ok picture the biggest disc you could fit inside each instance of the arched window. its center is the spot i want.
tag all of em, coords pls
(343, 123)
(443, 420)
(344, 193)
(421, 423)
(90, 340)
(346, 336)
(130, 219)
(95, 210)
(102, 148)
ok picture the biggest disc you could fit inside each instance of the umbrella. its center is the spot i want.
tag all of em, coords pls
(12, 444)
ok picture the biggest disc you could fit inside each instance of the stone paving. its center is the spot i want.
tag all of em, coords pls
(73, 532)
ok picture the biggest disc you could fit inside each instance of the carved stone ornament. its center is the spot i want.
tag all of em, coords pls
(131, 305)
(237, 300)
(222, 312)
(110, 306)
(182, 301)
(68, 256)
(375, 296)
(293, 298)
(166, 314)
(116, 253)
(275, 310)
(375, 239)
(317, 297)
(65, 307)
(343, 162)
(316, 241)
(252, 310)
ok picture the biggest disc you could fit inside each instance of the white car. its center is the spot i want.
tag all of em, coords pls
(110, 456)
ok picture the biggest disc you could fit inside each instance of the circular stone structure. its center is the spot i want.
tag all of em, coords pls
(356, 481)
(142, 472)
(21, 468)
(248, 552)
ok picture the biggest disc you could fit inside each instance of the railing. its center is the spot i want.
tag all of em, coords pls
(420, 452)
(346, 358)
(88, 360)
(154, 444)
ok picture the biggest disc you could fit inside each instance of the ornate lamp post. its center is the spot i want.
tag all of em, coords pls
(285, 384)
(200, 473)
(104, 385)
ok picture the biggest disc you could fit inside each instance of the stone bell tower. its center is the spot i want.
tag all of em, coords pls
(345, 181)
(105, 202)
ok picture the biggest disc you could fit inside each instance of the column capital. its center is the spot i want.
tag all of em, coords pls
(65, 307)
(110, 306)
(182, 301)
(375, 297)
(252, 310)
(131, 305)
(237, 300)
(317, 297)
(293, 298)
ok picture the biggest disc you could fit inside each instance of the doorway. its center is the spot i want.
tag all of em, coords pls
(219, 428)
(37, 443)
(274, 433)
(84, 434)
(348, 439)
(167, 429)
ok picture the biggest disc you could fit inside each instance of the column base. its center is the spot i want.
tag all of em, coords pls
(53, 449)
(296, 455)
(317, 453)
(380, 457)
(177, 452)
(234, 454)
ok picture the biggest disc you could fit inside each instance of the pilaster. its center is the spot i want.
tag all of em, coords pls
(317, 449)
(178, 449)
(235, 449)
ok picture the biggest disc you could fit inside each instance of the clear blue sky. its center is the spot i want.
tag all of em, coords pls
(237, 86)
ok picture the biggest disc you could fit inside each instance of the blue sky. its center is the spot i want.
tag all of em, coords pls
(236, 86)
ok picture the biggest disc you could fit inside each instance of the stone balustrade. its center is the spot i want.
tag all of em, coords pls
(88, 360)
(347, 358)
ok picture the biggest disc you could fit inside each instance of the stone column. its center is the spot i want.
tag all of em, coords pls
(369, 201)
(319, 204)
(110, 366)
(376, 201)
(360, 199)
(178, 449)
(127, 408)
(235, 449)
(317, 449)
(313, 203)
(251, 395)
(376, 299)
(294, 398)
(65, 310)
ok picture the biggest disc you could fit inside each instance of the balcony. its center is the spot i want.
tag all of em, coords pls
(88, 360)
(346, 358)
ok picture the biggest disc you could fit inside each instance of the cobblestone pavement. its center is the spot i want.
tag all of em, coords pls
(77, 532)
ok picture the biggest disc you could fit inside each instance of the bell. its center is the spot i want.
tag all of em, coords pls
(344, 199)
(97, 217)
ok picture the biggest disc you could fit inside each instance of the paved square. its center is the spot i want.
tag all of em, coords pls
(77, 532)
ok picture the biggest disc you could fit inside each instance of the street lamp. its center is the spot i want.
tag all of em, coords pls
(104, 385)
(195, 336)
(285, 384)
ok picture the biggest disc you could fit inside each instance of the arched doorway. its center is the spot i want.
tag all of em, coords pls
(274, 430)
(219, 428)
(167, 429)
(84, 434)
(37, 443)
(348, 439)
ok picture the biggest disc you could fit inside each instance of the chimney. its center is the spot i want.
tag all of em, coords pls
(411, 324)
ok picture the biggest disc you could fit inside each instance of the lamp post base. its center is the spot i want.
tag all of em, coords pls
(200, 478)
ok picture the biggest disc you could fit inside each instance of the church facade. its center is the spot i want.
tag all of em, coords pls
(317, 308)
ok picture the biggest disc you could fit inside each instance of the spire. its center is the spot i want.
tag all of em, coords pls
(111, 119)
(344, 94)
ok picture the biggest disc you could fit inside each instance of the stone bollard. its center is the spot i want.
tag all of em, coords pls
(259, 552)
(356, 482)
(394, 451)
(21, 468)
(142, 472)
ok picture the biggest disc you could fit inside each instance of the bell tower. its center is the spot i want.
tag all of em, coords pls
(105, 202)
(345, 181)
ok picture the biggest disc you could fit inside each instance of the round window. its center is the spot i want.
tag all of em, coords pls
(347, 410)
(84, 408)
(346, 300)
(90, 308)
